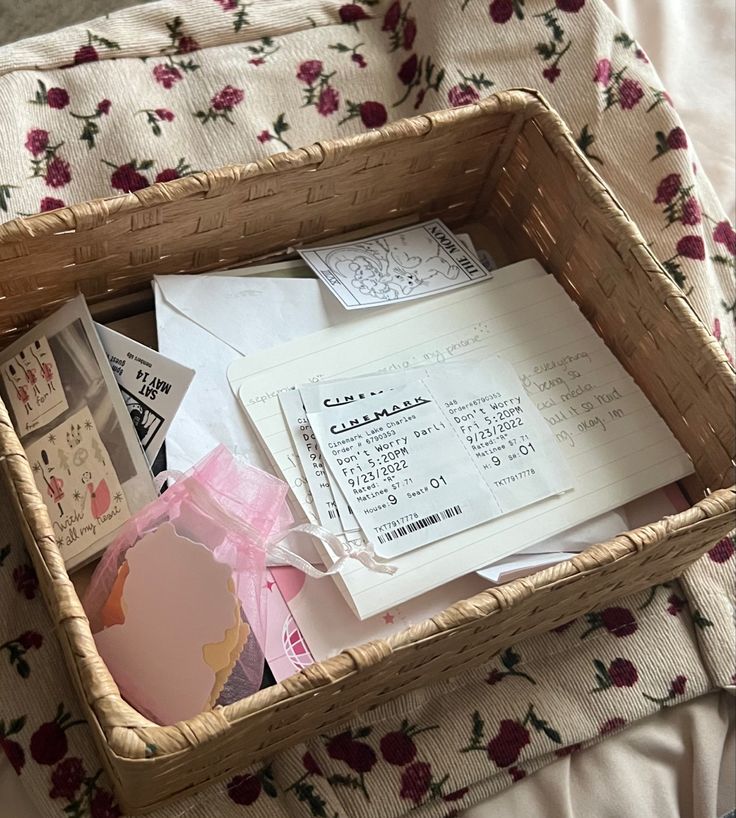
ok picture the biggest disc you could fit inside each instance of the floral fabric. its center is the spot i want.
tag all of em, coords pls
(159, 91)
(432, 752)
(162, 90)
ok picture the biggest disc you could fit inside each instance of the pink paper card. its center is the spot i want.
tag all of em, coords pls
(178, 600)
(285, 650)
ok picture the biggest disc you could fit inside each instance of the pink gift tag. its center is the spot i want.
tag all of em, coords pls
(156, 655)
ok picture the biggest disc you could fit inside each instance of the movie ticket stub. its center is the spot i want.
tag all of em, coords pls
(403, 469)
(329, 396)
(441, 454)
(502, 430)
(311, 461)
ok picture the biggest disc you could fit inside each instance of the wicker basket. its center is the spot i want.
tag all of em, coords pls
(508, 168)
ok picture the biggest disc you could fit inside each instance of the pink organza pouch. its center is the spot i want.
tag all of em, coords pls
(233, 509)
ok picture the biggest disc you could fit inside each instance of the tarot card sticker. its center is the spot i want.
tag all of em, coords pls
(398, 266)
(78, 483)
(34, 387)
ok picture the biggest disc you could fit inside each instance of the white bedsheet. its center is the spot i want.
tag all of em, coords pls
(691, 43)
(679, 763)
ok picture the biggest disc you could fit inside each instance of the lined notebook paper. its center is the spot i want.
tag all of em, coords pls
(617, 446)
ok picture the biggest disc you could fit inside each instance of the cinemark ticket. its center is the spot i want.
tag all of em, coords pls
(443, 453)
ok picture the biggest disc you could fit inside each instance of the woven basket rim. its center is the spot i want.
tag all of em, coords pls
(527, 103)
(212, 183)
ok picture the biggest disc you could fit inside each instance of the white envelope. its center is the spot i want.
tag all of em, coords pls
(206, 322)
(639, 512)
(521, 565)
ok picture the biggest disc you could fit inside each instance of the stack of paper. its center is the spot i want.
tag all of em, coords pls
(407, 458)
(616, 446)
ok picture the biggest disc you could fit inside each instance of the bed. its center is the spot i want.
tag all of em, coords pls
(681, 760)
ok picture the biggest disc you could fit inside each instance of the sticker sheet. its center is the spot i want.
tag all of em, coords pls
(34, 388)
(401, 265)
(78, 483)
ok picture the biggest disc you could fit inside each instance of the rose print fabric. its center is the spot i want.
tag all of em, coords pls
(170, 88)
(431, 753)
(167, 89)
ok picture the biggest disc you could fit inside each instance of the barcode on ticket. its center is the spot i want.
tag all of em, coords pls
(403, 530)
